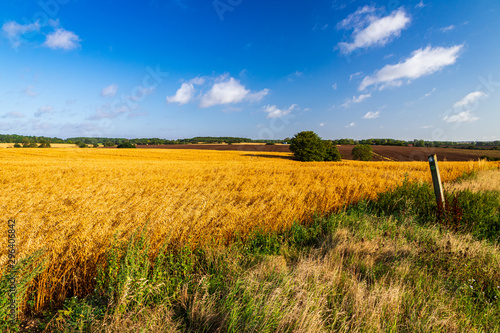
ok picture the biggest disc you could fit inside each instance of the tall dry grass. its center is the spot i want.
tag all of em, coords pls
(73, 202)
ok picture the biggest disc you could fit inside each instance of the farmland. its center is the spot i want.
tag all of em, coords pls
(72, 202)
(382, 153)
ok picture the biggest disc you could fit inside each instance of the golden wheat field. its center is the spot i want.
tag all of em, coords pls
(71, 202)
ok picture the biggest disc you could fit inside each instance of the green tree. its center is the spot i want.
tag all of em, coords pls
(307, 146)
(126, 145)
(95, 145)
(362, 152)
(332, 152)
(44, 144)
(17, 145)
(109, 144)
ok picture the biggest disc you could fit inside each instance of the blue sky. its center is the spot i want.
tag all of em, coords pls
(260, 69)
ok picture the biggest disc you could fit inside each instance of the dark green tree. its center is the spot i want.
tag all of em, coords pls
(44, 144)
(307, 146)
(332, 152)
(362, 152)
(126, 145)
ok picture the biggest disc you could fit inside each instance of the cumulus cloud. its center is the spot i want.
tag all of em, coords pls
(462, 110)
(355, 99)
(62, 39)
(14, 31)
(274, 112)
(109, 91)
(371, 30)
(371, 115)
(183, 95)
(230, 91)
(350, 125)
(44, 110)
(225, 90)
(421, 63)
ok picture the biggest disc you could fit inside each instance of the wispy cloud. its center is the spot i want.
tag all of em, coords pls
(62, 39)
(291, 77)
(430, 92)
(469, 100)
(29, 91)
(274, 112)
(421, 63)
(109, 91)
(14, 31)
(463, 109)
(420, 5)
(350, 125)
(44, 110)
(448, 28)
(460, 117)
(371, 30)
(14, 114)
(371, 115)
(355, 99)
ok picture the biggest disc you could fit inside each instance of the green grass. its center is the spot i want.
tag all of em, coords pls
(397, 264)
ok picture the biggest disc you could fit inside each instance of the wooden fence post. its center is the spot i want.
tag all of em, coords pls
(436, 180)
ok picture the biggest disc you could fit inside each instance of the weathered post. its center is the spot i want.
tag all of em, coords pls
(436, 180)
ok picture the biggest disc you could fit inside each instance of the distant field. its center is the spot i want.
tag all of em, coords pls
(382, 153)
(53, 145)
(75, 200)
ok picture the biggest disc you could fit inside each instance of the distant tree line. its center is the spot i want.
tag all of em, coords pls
(105, 141)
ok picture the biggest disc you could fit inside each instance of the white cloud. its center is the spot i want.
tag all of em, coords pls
(464, 107)
(197, 80)
(370, 30)
(322, 125)
(461, 117)
(430, 93)
(420, 4)
(351, 125)
(355, 75)
(230, 91)
(109, 91)
(469, 100)
(448, 28)
(355, 99)
(44, 110)
(371, 115)
(14, 31)
(62, 39)
(183, 95)
(274, 112)
(334, 86)
(422, 62)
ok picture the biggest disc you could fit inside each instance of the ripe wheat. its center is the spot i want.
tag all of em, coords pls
(73, 202)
